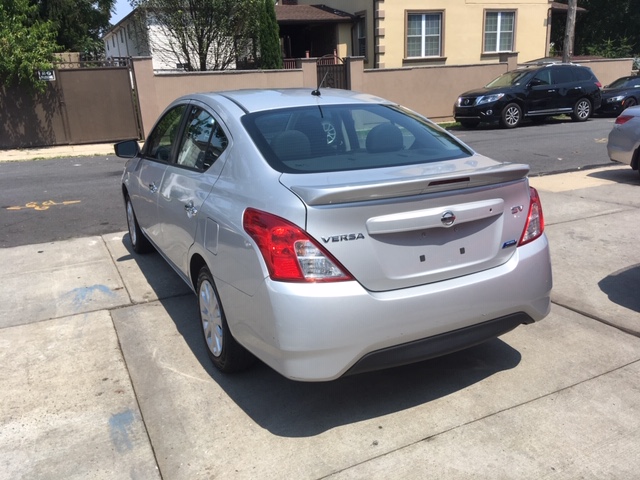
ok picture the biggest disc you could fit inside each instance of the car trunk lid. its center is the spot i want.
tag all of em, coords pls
(412, 225)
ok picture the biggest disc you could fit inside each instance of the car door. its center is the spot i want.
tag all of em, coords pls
(542, 92)
(568, 89)
(155, 158)
(188, 181)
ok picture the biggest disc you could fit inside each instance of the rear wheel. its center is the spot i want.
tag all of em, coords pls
(139, 242)
(226, 354)
(511, 116)
(581, 110)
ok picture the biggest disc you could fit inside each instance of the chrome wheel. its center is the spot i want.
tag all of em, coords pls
(582, 110)
(330, 130)
(211, 317)
(511, 116)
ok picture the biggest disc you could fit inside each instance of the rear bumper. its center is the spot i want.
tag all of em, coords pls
(621, 146)
(317, 332)
(438, 345)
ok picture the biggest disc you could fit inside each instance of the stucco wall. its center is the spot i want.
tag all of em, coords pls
(430, 91)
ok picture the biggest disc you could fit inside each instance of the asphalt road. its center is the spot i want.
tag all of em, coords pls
(47, 200)
(557, 145)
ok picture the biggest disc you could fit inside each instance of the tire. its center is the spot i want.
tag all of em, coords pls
(469, 123)
(224, 351)
(629, 102)
(581, 110)
(139, 242)
(511, 116)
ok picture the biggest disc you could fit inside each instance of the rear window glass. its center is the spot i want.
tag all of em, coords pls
(348, 137)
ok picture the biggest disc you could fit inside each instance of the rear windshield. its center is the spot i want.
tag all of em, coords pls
(348, 137)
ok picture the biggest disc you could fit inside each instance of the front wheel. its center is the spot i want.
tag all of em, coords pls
(224, 351)
(511, 116)
(581, 110)
(629, 102)
(139, 242)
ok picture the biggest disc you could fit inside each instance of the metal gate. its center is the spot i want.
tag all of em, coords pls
(79, 105)
(332, 72)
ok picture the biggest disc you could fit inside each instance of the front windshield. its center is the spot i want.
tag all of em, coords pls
(623, 82)
(508, 79)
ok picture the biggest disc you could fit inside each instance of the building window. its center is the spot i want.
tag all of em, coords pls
(498, 31)
(424, 34)
(361, 33)
(121, 36)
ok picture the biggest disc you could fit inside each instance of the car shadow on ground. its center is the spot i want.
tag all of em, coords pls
(618, 175)
(298, 409)
(622, 287)
(548, 121)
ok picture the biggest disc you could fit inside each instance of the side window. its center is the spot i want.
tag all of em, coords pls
(544, 76)
(163, 137)
(562, 75)
(203, 140)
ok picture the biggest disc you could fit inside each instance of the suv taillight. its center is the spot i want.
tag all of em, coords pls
(290, 253)
(534, 227)
(598, 84)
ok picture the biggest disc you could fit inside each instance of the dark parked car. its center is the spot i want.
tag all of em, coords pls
(535, 92)
(621, 94)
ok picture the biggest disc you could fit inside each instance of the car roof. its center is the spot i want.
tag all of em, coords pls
(255, 100)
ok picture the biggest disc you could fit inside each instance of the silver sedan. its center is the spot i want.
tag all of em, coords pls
(330, 232)
(624, 139)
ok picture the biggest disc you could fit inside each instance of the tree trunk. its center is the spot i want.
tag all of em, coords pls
(567, 49)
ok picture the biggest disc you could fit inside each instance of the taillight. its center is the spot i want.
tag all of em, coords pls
(599, 85)
(535, 220)
(290, 253)
(622, 119)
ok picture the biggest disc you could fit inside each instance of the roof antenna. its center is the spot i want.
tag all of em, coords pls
(316, 92)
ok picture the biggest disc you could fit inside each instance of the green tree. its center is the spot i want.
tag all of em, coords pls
(270, 52)
(202, 34)
(607, 28)
(27, 44)
(80, 24)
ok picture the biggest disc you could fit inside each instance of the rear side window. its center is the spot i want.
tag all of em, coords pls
(202, 141)
(584, 74)
(562, 75)
(348, 137)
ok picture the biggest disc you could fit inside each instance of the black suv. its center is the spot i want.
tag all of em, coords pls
(536, 92)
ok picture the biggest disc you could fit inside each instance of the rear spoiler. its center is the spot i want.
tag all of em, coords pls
(363, 191)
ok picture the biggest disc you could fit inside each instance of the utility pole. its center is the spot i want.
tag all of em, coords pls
(567, 49)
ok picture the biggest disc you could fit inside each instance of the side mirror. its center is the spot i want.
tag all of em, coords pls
(536, 82)
(127, 149)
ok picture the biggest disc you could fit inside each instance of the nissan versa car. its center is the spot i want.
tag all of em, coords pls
(534, 92)
(621, 94)
(623, 144)
(330, 232)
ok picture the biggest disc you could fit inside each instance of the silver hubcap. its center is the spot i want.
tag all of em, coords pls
(583, 110)
(211, 318)
(512, 116)
(131, 219)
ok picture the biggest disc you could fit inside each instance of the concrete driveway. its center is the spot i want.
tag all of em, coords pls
(105, 375)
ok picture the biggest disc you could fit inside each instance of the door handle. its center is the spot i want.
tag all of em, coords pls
(190, 209)
(552, 90)
(153, 188)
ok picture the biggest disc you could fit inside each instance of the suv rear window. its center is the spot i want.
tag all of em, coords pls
(348, 137)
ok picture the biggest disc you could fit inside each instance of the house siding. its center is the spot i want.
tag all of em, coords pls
(462, 29)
